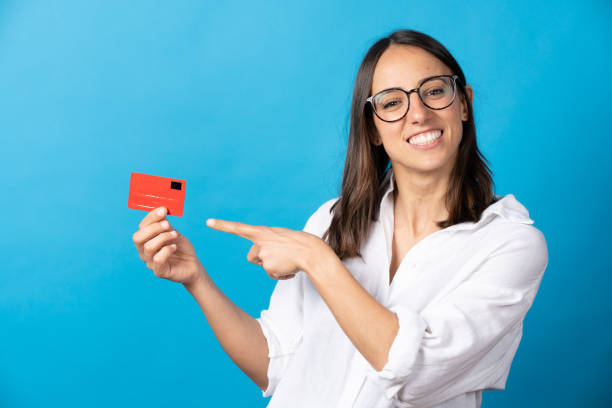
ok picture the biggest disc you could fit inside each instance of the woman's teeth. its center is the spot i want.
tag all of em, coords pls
(425, 138)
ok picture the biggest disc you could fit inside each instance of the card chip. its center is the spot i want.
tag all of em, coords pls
(175, 185)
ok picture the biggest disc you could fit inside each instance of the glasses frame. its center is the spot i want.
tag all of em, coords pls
(417, 90)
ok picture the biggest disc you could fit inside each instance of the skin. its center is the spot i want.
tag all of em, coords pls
(421, 179)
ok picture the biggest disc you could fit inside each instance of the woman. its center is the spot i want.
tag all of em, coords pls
(416, 279)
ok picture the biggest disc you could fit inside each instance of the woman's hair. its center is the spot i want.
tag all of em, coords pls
(366, 170)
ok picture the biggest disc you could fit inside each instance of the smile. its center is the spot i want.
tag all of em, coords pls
(425, 138)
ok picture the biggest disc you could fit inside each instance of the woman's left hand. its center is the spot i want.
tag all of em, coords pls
(281, 252)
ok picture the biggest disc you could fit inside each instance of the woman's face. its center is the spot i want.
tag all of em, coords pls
(405, 66)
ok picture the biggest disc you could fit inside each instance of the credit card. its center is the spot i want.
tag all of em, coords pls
(148, 192)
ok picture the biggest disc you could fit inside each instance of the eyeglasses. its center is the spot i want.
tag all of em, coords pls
(436, 93)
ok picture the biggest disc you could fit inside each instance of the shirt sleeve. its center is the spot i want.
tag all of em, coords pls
(282, 322)
(466, 340)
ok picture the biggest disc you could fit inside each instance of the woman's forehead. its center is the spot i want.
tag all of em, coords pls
(405, 66)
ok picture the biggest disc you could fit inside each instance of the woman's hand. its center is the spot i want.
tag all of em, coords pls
(281, 252)
(166, 252)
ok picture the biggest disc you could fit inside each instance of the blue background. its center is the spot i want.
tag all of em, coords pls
(249, 102)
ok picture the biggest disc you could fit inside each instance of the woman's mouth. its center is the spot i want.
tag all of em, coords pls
(426, 140)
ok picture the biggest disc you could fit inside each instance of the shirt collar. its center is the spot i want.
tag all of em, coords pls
(506, 207)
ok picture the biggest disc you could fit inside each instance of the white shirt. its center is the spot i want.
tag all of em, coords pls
(460, 295)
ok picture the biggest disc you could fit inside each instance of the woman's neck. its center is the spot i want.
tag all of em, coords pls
(419, 201)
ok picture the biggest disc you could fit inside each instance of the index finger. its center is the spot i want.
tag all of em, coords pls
(247, 231)
(153, 216)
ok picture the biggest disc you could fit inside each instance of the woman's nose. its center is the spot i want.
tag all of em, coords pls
(417, 111)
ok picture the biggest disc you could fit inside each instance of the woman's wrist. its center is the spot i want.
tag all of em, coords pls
(199, 280)
(319, 260)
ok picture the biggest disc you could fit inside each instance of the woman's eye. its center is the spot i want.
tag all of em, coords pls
(435, 91)
(391, 104)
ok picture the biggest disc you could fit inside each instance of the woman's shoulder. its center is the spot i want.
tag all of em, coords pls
(320, 220)
(508, 213)
(506, 223)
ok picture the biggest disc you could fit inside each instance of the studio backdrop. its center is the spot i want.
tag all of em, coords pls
(248, 102)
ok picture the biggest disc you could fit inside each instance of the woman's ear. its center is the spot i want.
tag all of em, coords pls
(375, 139)
(464, 107)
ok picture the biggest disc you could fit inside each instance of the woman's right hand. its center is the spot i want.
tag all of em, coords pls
(165, 251)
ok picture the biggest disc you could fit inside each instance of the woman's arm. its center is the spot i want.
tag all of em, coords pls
(370, 326)
(239, 334)
(171, 256)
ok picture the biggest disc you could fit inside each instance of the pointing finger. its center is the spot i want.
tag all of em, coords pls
(247, 231)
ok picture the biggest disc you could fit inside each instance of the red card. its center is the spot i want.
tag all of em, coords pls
(148, 192)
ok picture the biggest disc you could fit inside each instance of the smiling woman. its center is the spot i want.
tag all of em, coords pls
(404, 60)
(414, 281)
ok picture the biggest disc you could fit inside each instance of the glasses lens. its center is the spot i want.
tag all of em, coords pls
(438, 93)
(391, 105)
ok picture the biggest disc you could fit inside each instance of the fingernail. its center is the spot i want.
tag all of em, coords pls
(161, 211)
(165, 224)
(173, 246)
(210, 222)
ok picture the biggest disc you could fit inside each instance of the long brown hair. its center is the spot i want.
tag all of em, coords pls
(366, 169)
